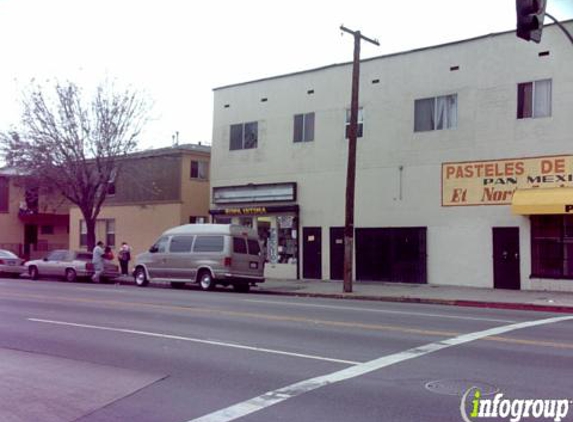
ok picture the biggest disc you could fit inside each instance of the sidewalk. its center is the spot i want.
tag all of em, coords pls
(423, 293)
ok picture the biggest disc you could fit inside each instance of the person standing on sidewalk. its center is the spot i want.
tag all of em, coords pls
(97, 261)
(124, 256)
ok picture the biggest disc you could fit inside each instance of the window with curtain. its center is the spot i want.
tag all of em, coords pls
(360, 129)
(552, 246)
(199, 170)
(534, 99)
(436, 113)
(303, 127)
(244, 136)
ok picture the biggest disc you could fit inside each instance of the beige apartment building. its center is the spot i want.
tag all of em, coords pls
(154, 191)
(464, 165)
(31, 222)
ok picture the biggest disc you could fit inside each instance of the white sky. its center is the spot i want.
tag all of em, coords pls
(178, 51)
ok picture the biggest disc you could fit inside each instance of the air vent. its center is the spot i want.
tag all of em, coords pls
(227, 105)
(264, 100)
(376, 81)
(454, 68)
(543, 54)
(310, 91)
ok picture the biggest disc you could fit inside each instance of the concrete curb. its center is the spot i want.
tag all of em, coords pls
(427, 301)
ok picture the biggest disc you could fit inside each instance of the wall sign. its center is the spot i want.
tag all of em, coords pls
(493, 182)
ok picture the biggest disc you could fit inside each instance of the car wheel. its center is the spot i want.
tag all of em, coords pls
(241, 287)
(71, 275)
(206, 281)
(140, 277)
(33, 271)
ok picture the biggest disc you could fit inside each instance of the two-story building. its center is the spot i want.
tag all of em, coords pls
(32, 222)
(464, 165)
(155, 190)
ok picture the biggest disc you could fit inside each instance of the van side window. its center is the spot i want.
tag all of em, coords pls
(239, 245)
(209, 244)
(161, 245)
(181, 244)
(254, 247)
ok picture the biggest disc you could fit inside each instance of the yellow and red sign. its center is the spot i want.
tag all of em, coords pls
(493, 182)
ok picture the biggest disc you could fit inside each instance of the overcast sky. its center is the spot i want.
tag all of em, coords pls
(178, 51)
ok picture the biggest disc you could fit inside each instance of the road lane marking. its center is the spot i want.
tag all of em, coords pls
(383, 311)
(271, 398)
(195, 340)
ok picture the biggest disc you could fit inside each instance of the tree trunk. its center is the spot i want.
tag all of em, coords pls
(91, 234)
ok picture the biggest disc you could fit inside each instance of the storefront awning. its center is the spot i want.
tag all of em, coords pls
(542, 201)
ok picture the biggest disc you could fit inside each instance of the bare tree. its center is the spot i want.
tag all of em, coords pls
(76, 145)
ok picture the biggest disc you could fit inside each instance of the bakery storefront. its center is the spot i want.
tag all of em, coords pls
(271, 209)
(538, 188)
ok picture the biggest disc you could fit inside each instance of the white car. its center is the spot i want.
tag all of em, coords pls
(70, 265)
(11, 264)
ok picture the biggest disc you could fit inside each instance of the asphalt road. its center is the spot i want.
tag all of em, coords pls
(82, 352)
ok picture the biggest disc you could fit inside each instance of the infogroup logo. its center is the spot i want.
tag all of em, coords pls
(514, 409)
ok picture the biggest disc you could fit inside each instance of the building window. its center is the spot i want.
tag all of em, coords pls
(197, 220)
(436, 113)
(360, 129)
(111, 183)
(552, 246)
(199, 170)
(83, 233)
(303, 127)
(244, 136)
(4, 190)
(110, 233)
(534, 99)
(47, 229)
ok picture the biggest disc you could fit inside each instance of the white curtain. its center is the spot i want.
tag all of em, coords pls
(447, 112)
(542, 98)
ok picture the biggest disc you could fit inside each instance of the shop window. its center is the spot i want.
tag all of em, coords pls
(244, 136)
(4, 190)
(552, 246)
(534, 99)
(199, 170)
(360, 129)
(303, 127)
(436, 113)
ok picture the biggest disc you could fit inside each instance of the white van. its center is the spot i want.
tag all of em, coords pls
(207, 254)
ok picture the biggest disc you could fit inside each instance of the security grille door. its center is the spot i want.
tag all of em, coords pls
(312, 253)
(336, 253)
(506, 274)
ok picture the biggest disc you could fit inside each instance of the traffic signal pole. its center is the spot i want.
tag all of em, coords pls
(351, 168)
(561, 26)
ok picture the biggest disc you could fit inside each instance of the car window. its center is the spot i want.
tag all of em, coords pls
(7, 254)
(239, 245)
(254, 247)
(161, 245)
(209, 244)
(84, 256)
(56, 255)
(181, 244)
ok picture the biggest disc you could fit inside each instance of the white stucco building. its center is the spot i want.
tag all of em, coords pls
(449, 133)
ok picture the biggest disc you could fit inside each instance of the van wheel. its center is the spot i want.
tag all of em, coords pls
(71, 275)
(206, 281)
(140, 277)
(33, 273)
(241, 287)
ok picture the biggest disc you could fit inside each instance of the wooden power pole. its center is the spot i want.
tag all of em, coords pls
(351, 169)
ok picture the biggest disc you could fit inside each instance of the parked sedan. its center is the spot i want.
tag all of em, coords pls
(68, 264)
(11, 264)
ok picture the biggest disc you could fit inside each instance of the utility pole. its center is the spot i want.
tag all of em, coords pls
(351, 168)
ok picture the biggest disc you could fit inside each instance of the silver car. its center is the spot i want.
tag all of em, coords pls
(10, 264)
(206, 254)
(70, 265)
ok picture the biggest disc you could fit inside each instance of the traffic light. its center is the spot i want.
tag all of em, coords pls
(530, 14)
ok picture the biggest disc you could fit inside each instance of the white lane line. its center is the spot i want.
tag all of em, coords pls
(276, 396)
(196, 340)
(382, 311)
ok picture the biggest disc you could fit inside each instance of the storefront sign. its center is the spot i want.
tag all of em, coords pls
(493, 182)
(245, 211)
